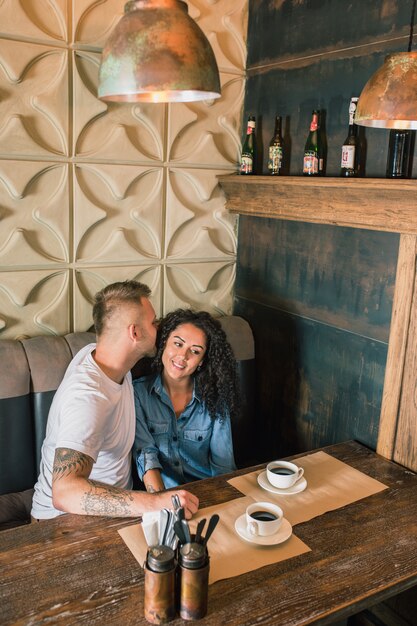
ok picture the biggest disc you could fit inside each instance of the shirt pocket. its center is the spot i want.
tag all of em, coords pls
(196, 436)
(160, 434)
(196, 446)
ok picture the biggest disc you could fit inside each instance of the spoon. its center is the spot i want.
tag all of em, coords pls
(163, 523)
(199, 530)
(186, 530)
(180, 532)
(211, 526)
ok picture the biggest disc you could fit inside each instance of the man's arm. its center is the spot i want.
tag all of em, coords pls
(74, 492)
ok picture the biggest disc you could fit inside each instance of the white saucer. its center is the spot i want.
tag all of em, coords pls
(299, 486)
(284, 532)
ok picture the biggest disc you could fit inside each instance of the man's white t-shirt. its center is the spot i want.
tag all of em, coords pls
(92, 414)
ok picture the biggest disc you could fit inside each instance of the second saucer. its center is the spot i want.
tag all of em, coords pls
(284, 533)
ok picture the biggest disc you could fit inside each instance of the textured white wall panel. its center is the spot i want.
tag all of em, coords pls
(92, 192)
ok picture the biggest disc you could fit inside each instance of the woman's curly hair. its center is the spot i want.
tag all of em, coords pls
(216, 379)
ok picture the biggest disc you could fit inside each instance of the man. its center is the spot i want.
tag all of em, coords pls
(86, 456)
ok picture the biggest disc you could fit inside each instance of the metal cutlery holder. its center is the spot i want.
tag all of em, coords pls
(160, 585)
(192, 581)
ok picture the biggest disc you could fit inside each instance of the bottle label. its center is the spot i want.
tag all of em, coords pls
(348, 157)
(246, 164)
(311, 163)
(275, 158)
(251, 128)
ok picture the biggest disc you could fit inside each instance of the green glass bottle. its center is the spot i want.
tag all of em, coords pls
(312, 148)
(248, 159)
(275, 153)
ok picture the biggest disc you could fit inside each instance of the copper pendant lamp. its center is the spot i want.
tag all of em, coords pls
(389, 98)
(157, 53)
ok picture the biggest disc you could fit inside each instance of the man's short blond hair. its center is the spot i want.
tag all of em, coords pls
(109, 299)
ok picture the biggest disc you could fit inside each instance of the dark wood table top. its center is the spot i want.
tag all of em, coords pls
(77, 570)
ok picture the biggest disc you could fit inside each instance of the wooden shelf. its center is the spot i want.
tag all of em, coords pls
(372, 203)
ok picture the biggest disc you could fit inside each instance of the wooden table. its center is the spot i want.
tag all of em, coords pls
(77, 570)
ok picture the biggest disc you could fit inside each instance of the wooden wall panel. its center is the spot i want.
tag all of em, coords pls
(406, 436)
(319, 300)
(314, 386)
(342, 277)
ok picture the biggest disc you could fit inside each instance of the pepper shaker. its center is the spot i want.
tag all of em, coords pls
(160, 584)
(194, 568)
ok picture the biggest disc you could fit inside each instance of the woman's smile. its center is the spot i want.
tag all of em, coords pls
(184, 351)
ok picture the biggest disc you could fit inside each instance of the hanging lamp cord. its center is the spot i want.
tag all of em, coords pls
(410, 43)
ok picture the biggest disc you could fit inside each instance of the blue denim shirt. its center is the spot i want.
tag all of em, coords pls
(191, 447)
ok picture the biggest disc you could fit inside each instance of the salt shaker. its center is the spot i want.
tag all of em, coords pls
(194, 568)
(160, 584)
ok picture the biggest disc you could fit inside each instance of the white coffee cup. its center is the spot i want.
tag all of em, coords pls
(283, 474)
(263, 519)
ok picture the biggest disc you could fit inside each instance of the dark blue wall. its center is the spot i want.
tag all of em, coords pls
(318, 298)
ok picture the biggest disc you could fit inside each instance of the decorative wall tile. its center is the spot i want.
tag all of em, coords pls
(197, 225)
(89, 281)
(118, 213)
(34, 100)
(34, 303)
(205, 286)
(113, 131)
(224, 23)
(94, 20)
(40, 19)
(207, 132)
(34, 213)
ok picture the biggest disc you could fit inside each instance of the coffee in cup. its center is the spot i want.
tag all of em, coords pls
(283, 474)
(263, 519)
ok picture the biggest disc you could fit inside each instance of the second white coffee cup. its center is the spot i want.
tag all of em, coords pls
(283, 474)
(263, 518)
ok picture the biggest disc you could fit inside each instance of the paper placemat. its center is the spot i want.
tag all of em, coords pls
(331, 484)
(229, 554)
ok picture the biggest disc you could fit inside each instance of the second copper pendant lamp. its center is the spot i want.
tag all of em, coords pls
(389, 98)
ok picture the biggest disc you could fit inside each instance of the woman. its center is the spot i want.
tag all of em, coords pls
(183, 411)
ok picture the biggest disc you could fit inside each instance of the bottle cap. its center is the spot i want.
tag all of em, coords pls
(193, 555)
(160, 558)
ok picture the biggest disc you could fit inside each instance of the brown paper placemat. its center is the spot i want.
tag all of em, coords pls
(331, 484)
(229, 554)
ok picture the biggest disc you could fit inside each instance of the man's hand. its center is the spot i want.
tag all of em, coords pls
(188, 501)
(163, 500)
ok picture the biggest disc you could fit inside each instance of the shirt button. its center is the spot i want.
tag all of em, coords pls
(151, 430)
(200, 438)
(175, 439)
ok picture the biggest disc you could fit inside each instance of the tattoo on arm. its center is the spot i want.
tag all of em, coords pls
(106, 500)
(69, 461)
(151, 489)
